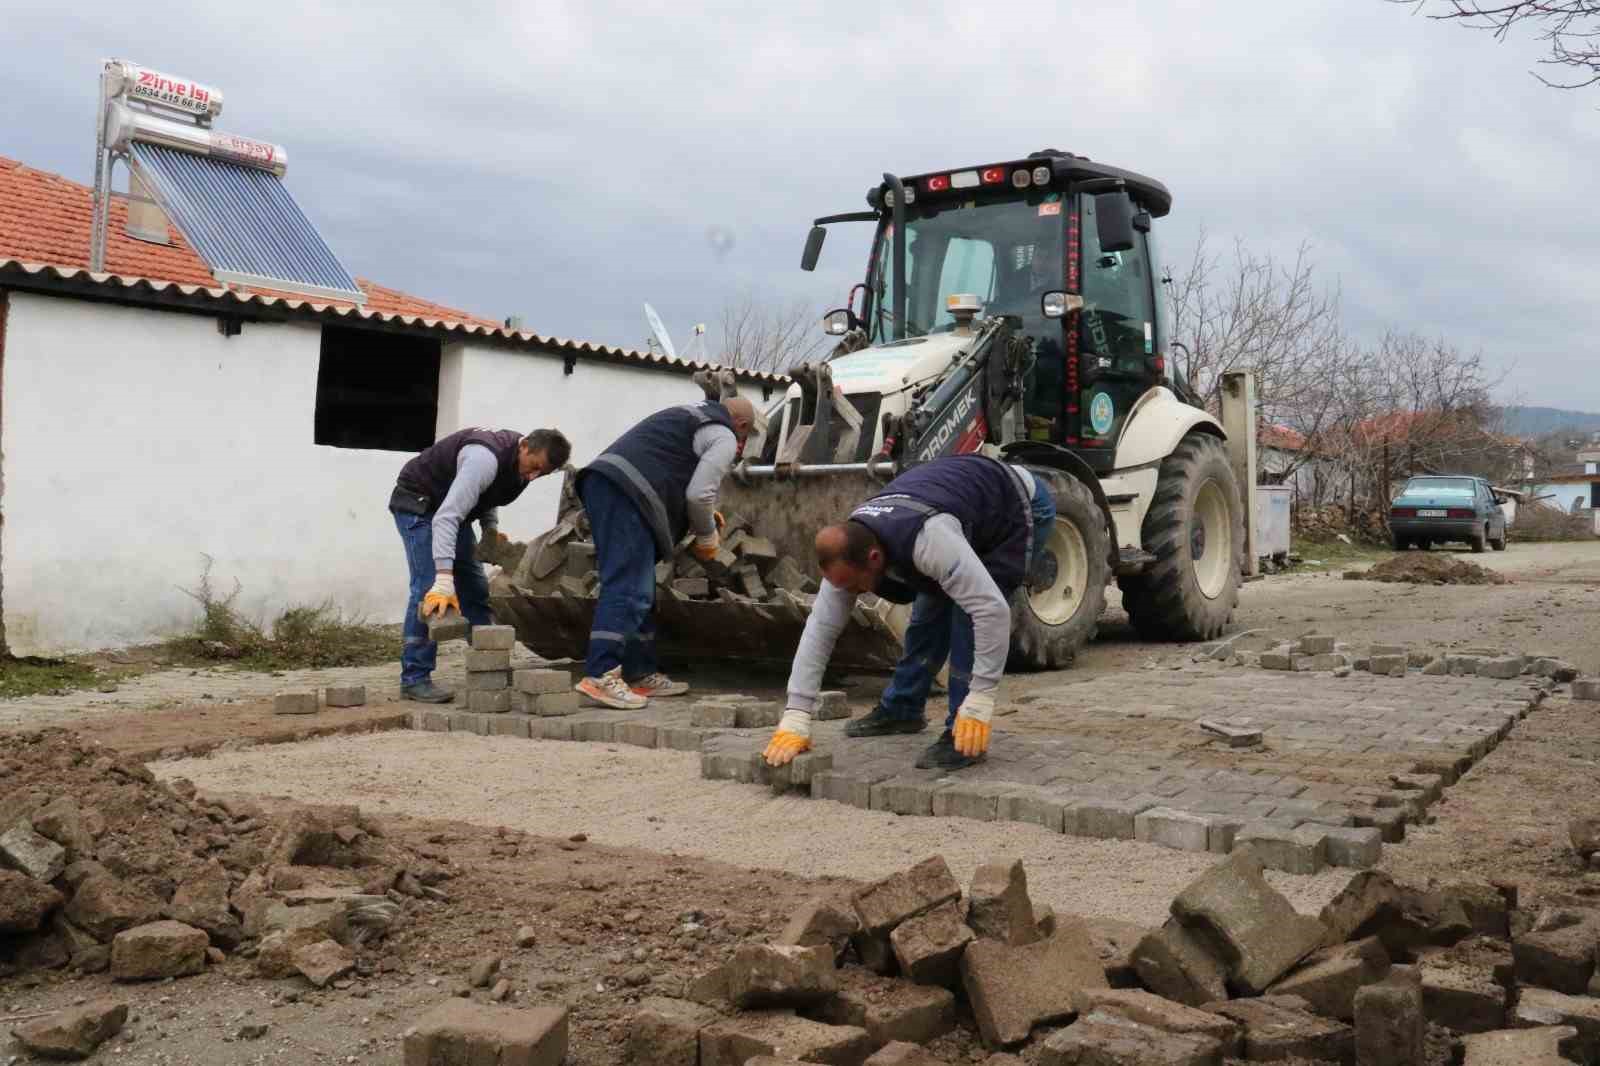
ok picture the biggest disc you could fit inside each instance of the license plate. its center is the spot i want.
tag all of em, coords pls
(1430, 514)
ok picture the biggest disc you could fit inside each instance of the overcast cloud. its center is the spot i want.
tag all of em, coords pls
(565, 162)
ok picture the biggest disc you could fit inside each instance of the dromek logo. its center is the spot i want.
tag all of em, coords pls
(952, 424)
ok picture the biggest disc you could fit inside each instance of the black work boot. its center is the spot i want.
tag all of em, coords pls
(942, 755)
(881, 724)
(426, 692)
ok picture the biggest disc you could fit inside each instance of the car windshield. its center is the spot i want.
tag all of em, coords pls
(1002, 247)
(1439, 486)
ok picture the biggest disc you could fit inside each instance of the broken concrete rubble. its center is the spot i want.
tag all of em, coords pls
(459, 1030)
(884, 904)
(73, 1033)
(1329, 979)
(822, 921)
(1284, 1027)
(998, 906)
(772, 975)
(1148, 1009)
(735, 1041)
(1103, 1039)
(1178, 963)
(1012, 989)
(929, 946)
(1259, 932)
(1390, 1027)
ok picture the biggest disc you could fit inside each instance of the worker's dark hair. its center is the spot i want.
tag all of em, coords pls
(858, 541)
(557, 449)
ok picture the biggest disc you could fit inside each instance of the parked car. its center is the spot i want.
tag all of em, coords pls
(1431, 510)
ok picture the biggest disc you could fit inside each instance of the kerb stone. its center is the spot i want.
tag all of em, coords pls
(459, 1030)
(1303, 850)
(1261, 934)
(345, 695)
(1012, 989)
(295, 703)
(1282, 1027)
(1181, 965)
(884, 904)
(1173, 829)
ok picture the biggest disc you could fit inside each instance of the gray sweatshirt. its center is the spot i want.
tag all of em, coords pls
(476, 468)
(717, 448)
(941, 552)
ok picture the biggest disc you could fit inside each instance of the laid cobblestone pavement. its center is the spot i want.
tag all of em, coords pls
(1345, 762)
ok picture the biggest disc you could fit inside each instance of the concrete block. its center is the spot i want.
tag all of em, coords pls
(1460, 989)
(470, 722)
(889, 1010)
(1104, 819)
(1559, 952)
(1390, 1027)
(709, 715)
(636, 734)
(977, 800)
(1012, 989)
(1297, 851)
(1276, 660)
(667, 1031)
(1261, 935)
(998, 906)
(345, 695)
(542, 682)
(831, 706)
(1329, 979)
(1543, 1007)
(1179, 964)
(435, 721)
(693, 587)
(32, 853)
(884, 904)
(1111, 1040)
(929, 946)
(479, 661)
(600, 731)
(450, 627)
(1172, 829)
(1503, 668)
(553, 704)
(1033, 805)
(1283, 1027)
(757, 715)
(1114, 943)
(1586, 689)
(550, 729)
(295, 703)
(796, 775)
(739, 1041)
(1352, 846)
(509, 725)
(1389, 664)
(780, 975)
(489, 681)
(493, 638)
(1137, 1005)
(459, 1030)
(903, 795)
(1541, 1046)
(822, 921)
(496, 702)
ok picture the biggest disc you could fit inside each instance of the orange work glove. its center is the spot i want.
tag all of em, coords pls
(440, 598)
(705, 547)
(972, 724)
(792, 738)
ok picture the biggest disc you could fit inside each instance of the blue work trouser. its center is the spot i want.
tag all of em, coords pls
(624, 629)
(420, 654)
(939, 630)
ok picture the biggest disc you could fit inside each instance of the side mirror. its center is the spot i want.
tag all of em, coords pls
(808, 258)
(1113, 219)
(836, 323)
(1057, 304)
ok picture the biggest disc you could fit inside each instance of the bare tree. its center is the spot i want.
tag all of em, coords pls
(1572, 28)
(758, 335)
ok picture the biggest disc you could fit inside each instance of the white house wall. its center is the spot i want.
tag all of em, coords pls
(137, 442)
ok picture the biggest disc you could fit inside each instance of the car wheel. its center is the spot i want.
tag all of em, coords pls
(1425, 544)
(1499, 543)
(1400, 543)
(1480, 541)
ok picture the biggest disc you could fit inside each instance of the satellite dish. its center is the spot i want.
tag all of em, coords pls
(658, 330)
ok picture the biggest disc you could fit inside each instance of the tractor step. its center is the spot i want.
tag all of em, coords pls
(1133, 561)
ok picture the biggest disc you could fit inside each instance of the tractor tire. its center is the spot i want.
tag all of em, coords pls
(1195, 529)
(1479, 541)
(1061, 613)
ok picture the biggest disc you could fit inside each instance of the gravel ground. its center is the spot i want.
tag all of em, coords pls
(656, 800)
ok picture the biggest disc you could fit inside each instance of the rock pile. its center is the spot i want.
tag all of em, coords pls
(1427, 568)
(1386, 975)
(104, 868)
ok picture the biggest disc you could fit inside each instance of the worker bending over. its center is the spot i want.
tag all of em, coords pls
(954, 537)
(658, 481)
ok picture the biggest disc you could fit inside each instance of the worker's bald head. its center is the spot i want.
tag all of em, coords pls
(744, 416)
(850, 557)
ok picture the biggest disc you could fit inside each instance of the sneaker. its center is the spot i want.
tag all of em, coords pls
(942, 755)
(881, 724)
(658, 684)
(426, 692)
(610, 691)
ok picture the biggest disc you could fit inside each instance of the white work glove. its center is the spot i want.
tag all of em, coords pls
(440, 598)
(792, 738)
(972, 723)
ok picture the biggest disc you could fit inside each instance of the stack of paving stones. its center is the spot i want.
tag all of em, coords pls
(1338, 765)
(1385, 975)
(488, 664)
(306, 702)
(1320, 652)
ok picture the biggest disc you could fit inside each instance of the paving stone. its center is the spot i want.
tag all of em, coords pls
(831, 706)
(820, 921)
(435, 721)
(903, 795)
(32, 853)
(1586, 689)
(496, 702)
(73, 1033)
(1503, 668)
(1272, 660)
(977, 800)
(1012, 989)
(707, 715)
(542, 682)
(929, 946)
(1260, 933)
(1541, 1046)
(757, 715)
(1143, 1007)
(1352, 846)
(886, 903)
(1559, 953)
(1172, 829)
(1283, 1027)
(1114, 943)
(1542, 1006)
(1316, 644)
(493, 638)
(485, 661)
(345, 695)
(552, 704)
(795, 775)
(156, 950)
(1112, 1040)
(1176, 962)
(604, 731)
(899, 1053)
(888, 1009)
(998, 906)
(778, 975)
(1037, 806)
(636, 734)
(1484, 905)
(488, 681)
(739, 1040)
(1460, 989)
(1295, 851)
(295, 703)
(1107, 820)
(550, 729)
(1329, 979)
(1390, 1027)
(461, 1031)
(666, 1032)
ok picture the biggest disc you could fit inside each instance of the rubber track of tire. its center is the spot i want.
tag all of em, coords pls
(1030, 647)
(1154, 601)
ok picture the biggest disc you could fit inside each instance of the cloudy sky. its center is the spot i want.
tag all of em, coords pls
(567, 162)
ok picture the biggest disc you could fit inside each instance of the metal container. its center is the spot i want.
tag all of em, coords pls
(125, 125)
(1273, 503)
(162, 90)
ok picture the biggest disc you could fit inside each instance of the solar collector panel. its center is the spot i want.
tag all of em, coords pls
(243, 223)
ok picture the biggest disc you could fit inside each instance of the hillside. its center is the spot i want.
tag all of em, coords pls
(1537, 421)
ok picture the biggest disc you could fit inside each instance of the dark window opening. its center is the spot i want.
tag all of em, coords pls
(377, 390)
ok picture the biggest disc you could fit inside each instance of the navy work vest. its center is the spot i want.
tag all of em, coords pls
(431, 472)
(655, 461)
(989, 500)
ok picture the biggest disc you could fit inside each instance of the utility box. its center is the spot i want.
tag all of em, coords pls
(1273, 504)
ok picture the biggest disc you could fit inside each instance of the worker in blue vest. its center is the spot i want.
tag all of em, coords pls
(657, 482)
(953, 537)
(466, 477)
